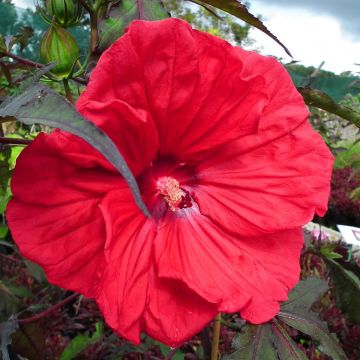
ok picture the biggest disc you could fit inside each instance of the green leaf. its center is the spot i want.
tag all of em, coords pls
(5, 71)
(9, 303)
(317, 98)
(35, 271)
(165, 350)
(81, 342)
(255, 342)
(120, 15)
(285, 345)
(305, 293)
(236, 8)
(3, 232)
(315, 329)
(327, 251)
(36, 106)
(296, 313)
(19, 291)
(7, 328)
(347, 290)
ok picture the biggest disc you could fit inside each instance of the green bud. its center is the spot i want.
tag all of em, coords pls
(65, 12)
(57, 45)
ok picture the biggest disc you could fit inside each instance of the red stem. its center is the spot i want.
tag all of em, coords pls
(140, 9)
(14, 141)
(48, 311)
(22, 60)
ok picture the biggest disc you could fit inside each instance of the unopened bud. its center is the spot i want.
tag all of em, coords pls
(65, 12)
(57, 45)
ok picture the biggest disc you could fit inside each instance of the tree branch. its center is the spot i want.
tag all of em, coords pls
(22, 60)
(48, 311)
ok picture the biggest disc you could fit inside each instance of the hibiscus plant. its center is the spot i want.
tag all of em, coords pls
(154, 191)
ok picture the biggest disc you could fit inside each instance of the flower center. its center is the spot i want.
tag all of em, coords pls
(174, 196)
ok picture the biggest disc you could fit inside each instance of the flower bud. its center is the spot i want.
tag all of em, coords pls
(57, 45)
(65, 12)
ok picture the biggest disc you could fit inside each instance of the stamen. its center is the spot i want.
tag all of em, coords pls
(175, 197)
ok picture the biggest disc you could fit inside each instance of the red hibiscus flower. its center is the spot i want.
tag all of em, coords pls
(227, 163)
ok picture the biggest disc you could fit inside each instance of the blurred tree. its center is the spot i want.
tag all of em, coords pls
(8, 17)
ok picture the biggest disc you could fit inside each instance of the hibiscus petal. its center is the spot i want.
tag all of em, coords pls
(54, 215)
(228, 271)
(278, 185)
(194, 92)
(133, 132)
(128, 253)
(64, 166)
(174, 313)
(66, 241)
(285, 109)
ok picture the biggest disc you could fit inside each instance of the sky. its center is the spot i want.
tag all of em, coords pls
(313, 30)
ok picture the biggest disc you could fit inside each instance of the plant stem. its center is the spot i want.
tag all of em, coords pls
(94, 31)
(68, 91)
(86, 6)
(14, 141)
(48, 311)
(22, 60)
(216, 338)
(140, 9)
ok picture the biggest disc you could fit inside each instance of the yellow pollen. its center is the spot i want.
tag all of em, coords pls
(169, 188)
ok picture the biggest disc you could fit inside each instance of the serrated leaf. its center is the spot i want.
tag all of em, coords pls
(346, 289)
(315, 329)
(285, 345)
(305, 293)
(35, 106)
(81, 342)
(122, 13)
(317, 98)
(236, 8)
(7, 328)
(253, 343)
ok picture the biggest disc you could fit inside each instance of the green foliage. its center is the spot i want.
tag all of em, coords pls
(8, 17)
(81, 342)
(120, 14)
(347, 290)
(348, 155)
(254, 343)
(35, 271)
(317, 330)
(9, 303)
(272, 340)
(317, 98)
